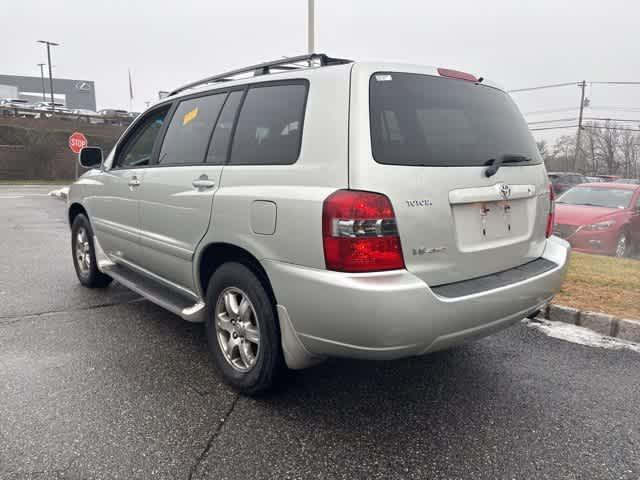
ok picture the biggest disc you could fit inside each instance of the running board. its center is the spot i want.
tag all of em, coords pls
(157, 293)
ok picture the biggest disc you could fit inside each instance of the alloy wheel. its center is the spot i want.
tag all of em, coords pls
(621, 246)
(237, 329)
(83, 250)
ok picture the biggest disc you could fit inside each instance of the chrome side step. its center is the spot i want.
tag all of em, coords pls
(157, 293)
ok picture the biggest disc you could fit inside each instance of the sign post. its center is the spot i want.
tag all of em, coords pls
(77, 141)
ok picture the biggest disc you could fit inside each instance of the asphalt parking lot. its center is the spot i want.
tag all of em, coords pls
(102, 384)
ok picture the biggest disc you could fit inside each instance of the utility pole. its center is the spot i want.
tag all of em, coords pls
(311, 26)
(49, 45)
(582, 85)
(44, 93)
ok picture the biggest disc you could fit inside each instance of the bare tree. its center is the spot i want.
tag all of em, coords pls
(608, 137)
(546, 154)
(564, 152)
(606, 148)
(590, 150)
(543, 148)
(627, 145)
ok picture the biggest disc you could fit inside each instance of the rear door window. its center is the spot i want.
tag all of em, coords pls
(188, 133)
(269, 129)
(434, 121)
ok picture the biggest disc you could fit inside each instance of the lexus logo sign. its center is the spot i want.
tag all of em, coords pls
(83, 86)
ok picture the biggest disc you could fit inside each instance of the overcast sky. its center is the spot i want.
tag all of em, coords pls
(167, 43)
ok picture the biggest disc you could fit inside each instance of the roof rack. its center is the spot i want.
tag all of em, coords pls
(312, 59)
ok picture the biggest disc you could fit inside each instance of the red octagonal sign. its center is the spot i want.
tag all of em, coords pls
(77, 141)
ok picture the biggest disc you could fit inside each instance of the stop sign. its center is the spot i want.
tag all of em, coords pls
(77, 141)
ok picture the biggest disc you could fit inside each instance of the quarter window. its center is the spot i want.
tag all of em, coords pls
(138, 148)
(188, 133)
(269, 127)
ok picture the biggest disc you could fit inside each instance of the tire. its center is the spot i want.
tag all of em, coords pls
(84, 254)
(239, 311)
(623, 246)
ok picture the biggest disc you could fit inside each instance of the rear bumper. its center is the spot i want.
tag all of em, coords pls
(394, 314)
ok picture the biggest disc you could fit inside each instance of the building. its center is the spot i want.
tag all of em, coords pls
(71, 93)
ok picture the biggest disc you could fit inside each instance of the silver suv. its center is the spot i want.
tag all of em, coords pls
(316, 207)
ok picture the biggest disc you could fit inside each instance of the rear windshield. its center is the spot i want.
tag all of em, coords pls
(435, 121)
(597, 197)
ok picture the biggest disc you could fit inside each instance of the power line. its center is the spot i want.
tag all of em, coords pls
(586, 126)
(553, 128)
(551, 110)
(554, 121)
(555, 85)
(613, 128)
(612, 108)
(619, 108)
(614, 83)
(542, 87)
(613, 119)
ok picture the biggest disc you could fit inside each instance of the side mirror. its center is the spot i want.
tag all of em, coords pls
(90, 157)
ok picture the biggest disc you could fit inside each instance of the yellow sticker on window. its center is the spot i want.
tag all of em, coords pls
(189, 116)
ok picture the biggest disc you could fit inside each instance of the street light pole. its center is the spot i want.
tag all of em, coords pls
(49, 45)
(582, 85)
(311, 26)
(44, 93)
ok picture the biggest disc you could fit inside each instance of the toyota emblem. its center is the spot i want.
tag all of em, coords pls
(505, 191)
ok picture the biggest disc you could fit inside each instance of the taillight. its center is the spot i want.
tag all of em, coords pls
(552, 211)
(360, 233)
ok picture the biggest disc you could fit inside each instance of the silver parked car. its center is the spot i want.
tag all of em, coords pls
(16, 107)
(324, 208)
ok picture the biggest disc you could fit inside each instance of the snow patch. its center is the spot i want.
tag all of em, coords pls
(60, 193)
(579, 335)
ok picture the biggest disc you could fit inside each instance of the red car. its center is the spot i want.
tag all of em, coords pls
(600, 218)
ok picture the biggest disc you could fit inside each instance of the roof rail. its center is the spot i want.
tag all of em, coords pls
(312, 59)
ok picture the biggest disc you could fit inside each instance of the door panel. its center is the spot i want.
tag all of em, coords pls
(115, 213)
(174, 216)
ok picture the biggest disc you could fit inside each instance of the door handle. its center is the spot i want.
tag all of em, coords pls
(203, 182)
(134, 182)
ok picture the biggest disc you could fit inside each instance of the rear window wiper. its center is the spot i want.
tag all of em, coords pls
(494, 164)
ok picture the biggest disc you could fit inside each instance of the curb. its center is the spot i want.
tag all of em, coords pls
(622, 328)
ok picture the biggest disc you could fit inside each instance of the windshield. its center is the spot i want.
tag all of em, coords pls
(435, 121)
(597, 197)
